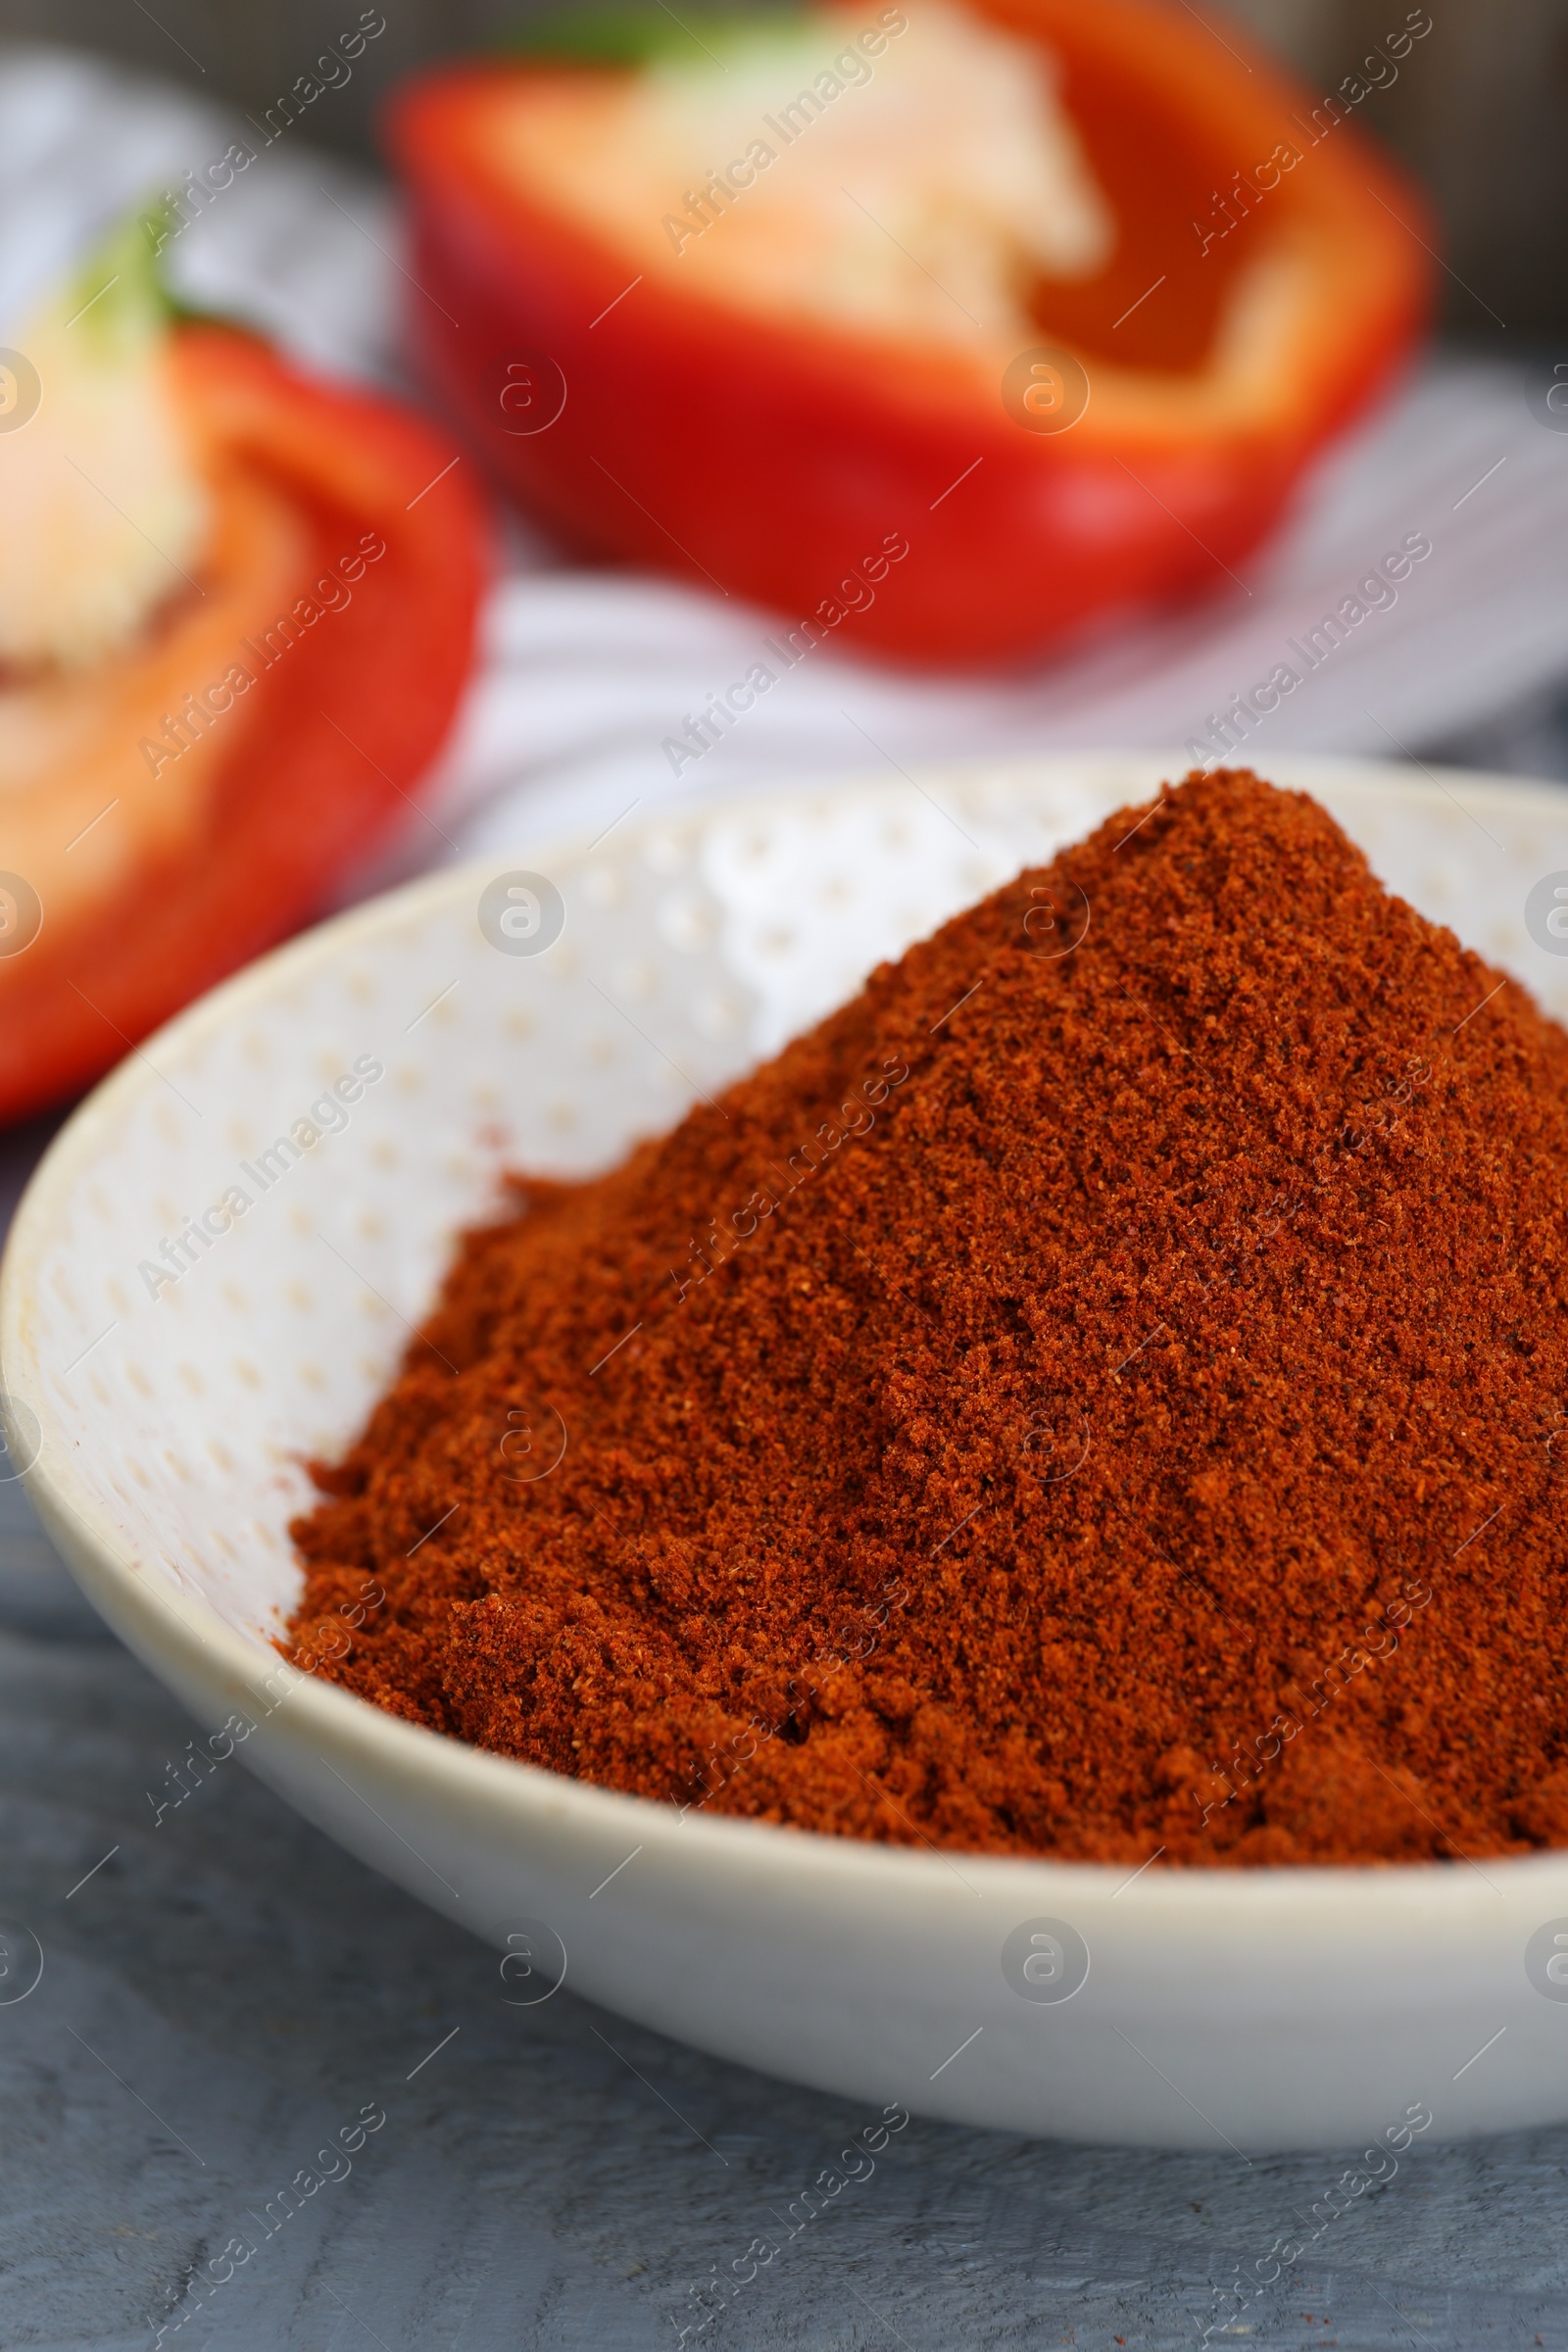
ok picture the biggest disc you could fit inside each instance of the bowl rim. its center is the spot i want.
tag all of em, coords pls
(187, 1631)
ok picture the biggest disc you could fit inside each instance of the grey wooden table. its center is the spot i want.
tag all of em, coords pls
(223, 1990)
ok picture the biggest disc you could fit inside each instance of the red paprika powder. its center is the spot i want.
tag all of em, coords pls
(1096, 1395)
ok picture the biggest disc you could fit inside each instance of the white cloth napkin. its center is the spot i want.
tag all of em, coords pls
(587, 675)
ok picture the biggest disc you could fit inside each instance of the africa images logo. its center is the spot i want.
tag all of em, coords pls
(328, 1116)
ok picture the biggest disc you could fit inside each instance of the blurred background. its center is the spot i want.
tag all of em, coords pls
(587, 671)
(1480, 113)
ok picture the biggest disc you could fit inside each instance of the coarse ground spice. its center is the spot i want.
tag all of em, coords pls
(1123, 1411)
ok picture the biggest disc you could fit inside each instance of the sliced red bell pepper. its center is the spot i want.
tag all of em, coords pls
(771, 457)
(214, 781)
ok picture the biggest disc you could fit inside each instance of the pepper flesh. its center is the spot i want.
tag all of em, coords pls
(768, 455)
(199, 853)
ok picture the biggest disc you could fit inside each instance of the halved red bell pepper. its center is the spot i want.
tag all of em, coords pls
(1253, 303)
(204, 789)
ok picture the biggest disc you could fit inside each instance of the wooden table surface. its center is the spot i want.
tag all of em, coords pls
(223, 1990)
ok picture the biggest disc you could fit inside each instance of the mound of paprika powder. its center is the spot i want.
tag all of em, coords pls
(1096, 1395)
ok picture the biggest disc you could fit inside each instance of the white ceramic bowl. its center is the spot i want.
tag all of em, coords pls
(1263, 2009)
